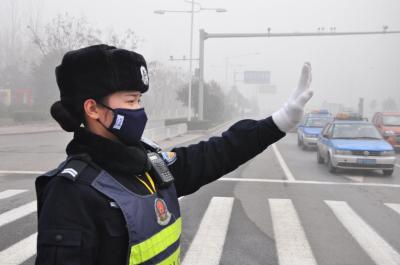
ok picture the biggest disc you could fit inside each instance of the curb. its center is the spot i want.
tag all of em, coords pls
(213, 128)
(164, 147)
(201, 132)
(33, 132)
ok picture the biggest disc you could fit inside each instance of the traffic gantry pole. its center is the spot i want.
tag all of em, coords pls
(204, 35)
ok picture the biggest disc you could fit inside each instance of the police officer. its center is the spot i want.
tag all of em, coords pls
(114, 200)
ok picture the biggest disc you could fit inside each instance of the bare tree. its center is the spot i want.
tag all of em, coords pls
(64, 33)
(160, 101)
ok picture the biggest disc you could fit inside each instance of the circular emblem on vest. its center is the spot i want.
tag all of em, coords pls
(162, 213)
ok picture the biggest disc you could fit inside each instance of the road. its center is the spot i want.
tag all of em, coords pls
(282, 207)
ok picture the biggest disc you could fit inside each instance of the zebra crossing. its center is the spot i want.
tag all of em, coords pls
(207, 246)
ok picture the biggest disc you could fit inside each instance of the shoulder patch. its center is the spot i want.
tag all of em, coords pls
(169, 157)
(72, 169)
(69, 172)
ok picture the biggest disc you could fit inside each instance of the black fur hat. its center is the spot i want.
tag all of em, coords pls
(95, 72)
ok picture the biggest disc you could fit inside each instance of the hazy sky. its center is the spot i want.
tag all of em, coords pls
(344, 68)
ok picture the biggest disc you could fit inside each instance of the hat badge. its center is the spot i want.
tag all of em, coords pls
(145, 76)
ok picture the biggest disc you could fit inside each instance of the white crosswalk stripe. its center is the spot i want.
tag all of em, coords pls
(292, 245)
(395, 207)
(19, 252)
(17, 213)
(207, 245)
(291, 242)
(10, 193)
(372, 243)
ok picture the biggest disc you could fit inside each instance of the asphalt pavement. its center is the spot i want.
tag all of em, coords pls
(282, 207)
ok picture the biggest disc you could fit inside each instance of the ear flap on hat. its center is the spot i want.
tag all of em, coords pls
(66, 120)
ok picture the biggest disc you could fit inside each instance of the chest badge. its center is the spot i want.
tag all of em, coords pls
(162, 213)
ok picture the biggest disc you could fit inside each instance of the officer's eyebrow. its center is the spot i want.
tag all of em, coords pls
(133, 94)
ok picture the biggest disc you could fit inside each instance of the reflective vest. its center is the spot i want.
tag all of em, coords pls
(153, 221)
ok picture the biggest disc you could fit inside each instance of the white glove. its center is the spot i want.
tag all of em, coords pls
(292, 111)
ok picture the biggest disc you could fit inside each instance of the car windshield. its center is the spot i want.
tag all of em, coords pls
(355, 131)
(391, 120)
(317, 121)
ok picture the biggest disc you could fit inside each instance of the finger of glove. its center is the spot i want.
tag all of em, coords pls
(305, 77)
(305, 80)
(304, 97)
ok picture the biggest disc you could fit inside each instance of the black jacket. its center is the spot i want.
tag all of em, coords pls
(77, 226)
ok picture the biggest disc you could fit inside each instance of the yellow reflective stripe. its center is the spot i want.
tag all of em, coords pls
(156, 244)
(174, 259)
(151, 181)
(145, 184)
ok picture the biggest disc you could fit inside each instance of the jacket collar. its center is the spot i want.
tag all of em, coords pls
(112, 156)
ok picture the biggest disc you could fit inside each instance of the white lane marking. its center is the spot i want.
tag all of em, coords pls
(22, 172)
(212, 230)
(17, 213)
(373, 244)
(283, 164)
(291, 241)
(19, 252)
(395, 207)
(9, 193)
(310, 182)
(355, 178)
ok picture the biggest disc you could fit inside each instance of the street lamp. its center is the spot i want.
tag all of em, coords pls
(191, 11)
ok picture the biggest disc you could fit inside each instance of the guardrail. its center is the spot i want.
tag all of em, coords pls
(162, 133)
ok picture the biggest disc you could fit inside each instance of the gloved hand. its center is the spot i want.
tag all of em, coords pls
(292, 111)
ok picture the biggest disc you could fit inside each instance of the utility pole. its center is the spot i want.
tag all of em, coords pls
(204, 36)
(190, 64)
(361, 106)
(191, 11)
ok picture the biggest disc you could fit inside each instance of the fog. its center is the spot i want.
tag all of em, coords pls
(345, 68)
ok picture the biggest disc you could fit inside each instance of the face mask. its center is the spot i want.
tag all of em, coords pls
(128, 124)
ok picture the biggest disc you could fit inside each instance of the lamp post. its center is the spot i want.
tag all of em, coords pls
(191, 11)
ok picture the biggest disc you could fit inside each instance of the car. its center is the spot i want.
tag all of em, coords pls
(354, 144)
(388, 123)
(309, 129)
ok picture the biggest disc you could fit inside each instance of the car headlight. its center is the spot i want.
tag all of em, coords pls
(342, 152)
(388, 153)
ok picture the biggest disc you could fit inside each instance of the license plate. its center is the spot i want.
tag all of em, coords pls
(366, 161)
